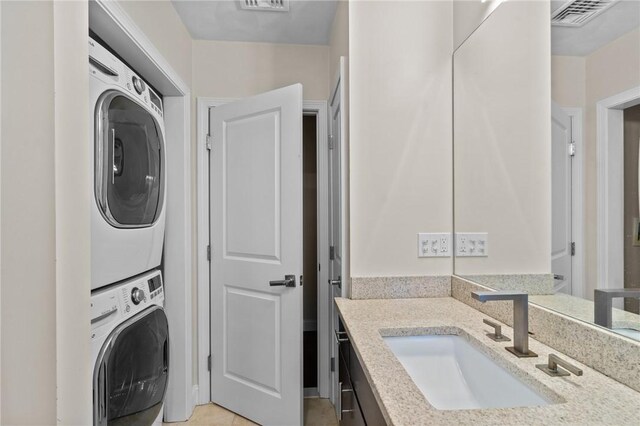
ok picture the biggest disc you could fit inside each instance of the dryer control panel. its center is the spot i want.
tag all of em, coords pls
(106, 67)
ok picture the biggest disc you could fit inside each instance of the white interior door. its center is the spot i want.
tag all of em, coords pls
(561, 198)
(337, 214)
(256, 241)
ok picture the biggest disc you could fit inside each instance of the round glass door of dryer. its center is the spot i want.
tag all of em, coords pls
(132, 370)
(129, 175)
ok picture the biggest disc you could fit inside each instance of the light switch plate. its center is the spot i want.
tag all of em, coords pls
(472, 244)
(434, 244)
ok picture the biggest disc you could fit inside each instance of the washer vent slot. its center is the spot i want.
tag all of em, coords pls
(265, 5)
(576, 13)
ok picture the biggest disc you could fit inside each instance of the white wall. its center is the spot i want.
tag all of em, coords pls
(502, 140)
(162, 25)
(568, 81)
(400, 134)
(73, 198)
(45, 214)
(468, 15)
(227, 69)
(0, 214)
(339, 39)
(28, 215)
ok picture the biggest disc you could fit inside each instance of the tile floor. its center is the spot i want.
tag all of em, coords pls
(317, 412)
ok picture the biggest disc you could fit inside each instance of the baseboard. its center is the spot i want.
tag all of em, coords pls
(195, 396)
(311, 393)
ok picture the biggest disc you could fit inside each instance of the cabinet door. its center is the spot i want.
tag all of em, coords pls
(349, 409)
(366, 399)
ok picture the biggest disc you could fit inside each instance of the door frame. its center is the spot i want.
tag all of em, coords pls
(577, 202)
(610, 220)
(339, 88)
(110, 21)
(320, 110)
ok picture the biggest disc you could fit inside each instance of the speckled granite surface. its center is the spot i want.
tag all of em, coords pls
(400, 287)
(529, 283)
(583, 309)
(609, 353)
(591, 399)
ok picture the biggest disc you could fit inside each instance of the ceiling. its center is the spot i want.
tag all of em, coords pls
(619, 19)
(306, 22)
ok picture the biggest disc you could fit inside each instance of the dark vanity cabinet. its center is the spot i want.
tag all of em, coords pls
(358, 405)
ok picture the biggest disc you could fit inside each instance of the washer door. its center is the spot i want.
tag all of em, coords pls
(129, 175)
(132, 370)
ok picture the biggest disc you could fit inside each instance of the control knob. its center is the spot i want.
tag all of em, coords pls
(137, 295)
(138, 84)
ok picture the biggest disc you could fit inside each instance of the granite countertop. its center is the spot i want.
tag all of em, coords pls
(589, 399)
(582, 309)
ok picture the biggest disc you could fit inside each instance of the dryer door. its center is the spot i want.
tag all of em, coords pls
(131, 374)
(129, 175)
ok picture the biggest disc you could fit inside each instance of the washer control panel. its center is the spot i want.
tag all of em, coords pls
(140, 293)
(115, 304)
(137, 295)
(121, 301)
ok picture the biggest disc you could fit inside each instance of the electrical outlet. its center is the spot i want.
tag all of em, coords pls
(434, 245)
(472, 244)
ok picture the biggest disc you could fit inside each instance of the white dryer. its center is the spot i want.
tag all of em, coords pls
(129, 173)
(130, 352)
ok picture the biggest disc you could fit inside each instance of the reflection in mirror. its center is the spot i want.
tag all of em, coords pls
(546, 187)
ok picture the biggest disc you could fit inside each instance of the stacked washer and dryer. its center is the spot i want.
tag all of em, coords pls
(129, 329)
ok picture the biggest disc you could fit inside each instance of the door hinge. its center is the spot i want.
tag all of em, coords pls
(573, 249)
(330, 141)
(572, 149)
(208, 143)
(333, 364)
(332, 253)
(209, 363)
(209, 253)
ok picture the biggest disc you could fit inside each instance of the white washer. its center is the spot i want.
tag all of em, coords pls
(130, 351)
(129, 173)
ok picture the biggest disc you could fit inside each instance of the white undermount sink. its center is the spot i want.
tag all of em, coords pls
(454, 375)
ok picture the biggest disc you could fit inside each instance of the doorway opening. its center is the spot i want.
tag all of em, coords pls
(310, 254)
(610, 178)
(631, 135)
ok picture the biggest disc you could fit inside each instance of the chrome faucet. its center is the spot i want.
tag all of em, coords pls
(520, 300)
(602, 303)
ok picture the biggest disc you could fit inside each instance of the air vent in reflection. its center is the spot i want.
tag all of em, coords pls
(265, 5)
(576, 13)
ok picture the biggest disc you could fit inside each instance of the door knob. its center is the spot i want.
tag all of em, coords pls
(337, 282)
(289, 281)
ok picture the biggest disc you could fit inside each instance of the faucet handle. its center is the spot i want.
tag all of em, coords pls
(552, 368)
(496, 336)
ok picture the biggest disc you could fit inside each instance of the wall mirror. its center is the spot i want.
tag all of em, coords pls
(546, 150)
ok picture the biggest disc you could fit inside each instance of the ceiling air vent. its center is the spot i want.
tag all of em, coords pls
(576, 13)
(265, 5)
